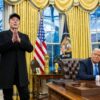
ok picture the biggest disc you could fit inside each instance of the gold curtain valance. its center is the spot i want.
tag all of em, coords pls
(39, 4)
(13, 2)
(89, 4)
(63, 5)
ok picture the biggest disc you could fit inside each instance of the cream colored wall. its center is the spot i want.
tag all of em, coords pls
(7, 11)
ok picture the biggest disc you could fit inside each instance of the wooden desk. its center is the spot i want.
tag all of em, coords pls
(57, 92)
(37, 80)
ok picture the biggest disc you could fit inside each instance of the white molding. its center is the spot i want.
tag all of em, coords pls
(7, 11)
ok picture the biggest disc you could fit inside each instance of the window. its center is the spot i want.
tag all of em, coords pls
(51, 27)
(1, 15)
(95, 28)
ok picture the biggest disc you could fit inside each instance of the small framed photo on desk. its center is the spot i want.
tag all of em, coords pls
(38, 72)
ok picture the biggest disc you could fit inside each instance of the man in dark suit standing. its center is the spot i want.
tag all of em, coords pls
(13, 70)
(90, 67)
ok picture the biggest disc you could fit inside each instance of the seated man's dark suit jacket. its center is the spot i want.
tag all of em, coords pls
(86, 70)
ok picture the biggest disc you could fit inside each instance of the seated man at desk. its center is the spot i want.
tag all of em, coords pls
(90, 67)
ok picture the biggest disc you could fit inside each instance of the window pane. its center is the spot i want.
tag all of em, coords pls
(47, 11)
(49, 37)
(98, 37)
(56, 35)
(49, 49)
(95, 46)
(93, 25)
(95, 28)
(51, 27)
(93, 37)
(98, 12)
(98, 24)
(56, 50)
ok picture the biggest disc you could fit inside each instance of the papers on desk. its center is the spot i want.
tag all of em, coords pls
(61, 81)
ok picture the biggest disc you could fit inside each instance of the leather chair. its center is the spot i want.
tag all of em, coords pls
(70, 68)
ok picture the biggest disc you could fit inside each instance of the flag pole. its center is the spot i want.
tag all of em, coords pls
(40, 13)
(40, 46)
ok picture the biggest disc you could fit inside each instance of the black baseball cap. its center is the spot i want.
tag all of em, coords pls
(14, 15)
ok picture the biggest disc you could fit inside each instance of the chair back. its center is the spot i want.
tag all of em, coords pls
(70, 68)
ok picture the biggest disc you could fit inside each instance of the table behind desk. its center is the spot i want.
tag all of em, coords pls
(57, 92)
(37, 80)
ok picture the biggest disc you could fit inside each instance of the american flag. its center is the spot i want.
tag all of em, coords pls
(40, 47)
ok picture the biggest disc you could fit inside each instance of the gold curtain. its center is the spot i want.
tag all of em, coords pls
(39, 4)
(78, 22)
(89, 4)
(29, 26)
(63, 5)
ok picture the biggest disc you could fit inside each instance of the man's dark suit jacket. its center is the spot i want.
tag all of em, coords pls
(12, 56)
(86, 70)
